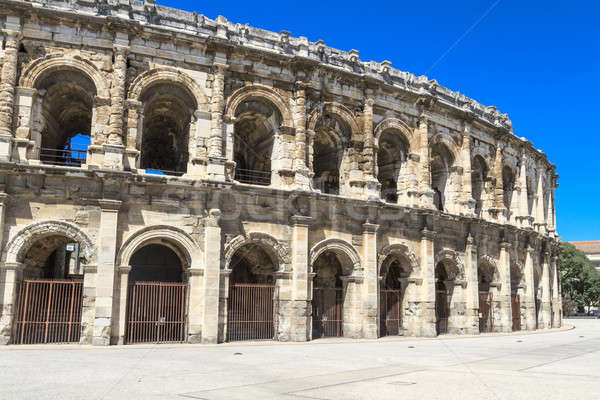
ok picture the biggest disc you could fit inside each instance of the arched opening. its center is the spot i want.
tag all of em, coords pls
(157, 295)
(441, 163)
(445, 275)
(508, 187)
(252, 294)
(485, 276)
(516, 277)
(167, 116)
(479, 175)
(255, 133)
(328, 296)
(66, 114)
(50, 296)
(331, 138)
(391, 165)
(395, 271)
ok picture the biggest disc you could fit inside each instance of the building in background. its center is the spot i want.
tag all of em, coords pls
(591, 249)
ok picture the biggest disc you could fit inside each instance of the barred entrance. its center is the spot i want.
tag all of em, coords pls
(156, 312)
(251, 312)
(485, 312)
(391, 312)
(442, 311)
(327, 308)
(515, 303)
(48, 311)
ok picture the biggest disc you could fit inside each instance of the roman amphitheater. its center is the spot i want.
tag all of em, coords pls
(165, 177)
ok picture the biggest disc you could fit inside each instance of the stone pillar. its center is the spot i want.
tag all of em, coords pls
(504, 290)
(498, 209)
(529, 299)
(114, 149)
(556, 299)
(524, 216)
(212, 284)
(428, 318)
(8, 80)
(372, 184)
(195, 280)
(546, 319)
(540, 222)
(472, 291)
(351, 310)
(370, 298)
(425, 190)
(105, 279)
(302, 174)
(301, 288)
(120, 302)
(24, 105)
(88, 306)
(133, 134)
(11, 274)
(467, 186)
(223, 299)
(216, 161)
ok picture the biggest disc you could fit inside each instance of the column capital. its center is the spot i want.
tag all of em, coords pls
(12, 266)
(505, 245)
(213, 218)
(109, 205)
(90, 268)
(427, 234)
(301, 220)
(369, 227)
(124, 269)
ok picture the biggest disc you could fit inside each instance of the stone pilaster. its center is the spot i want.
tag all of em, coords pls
(212, 283)
(425, 191)
(120, 325)
(372, 186)
(195, 279)
(370, 299)
(540, 221)
(529, 299)
(224, 275)
(301, 287)
(467, 186)
(472, 291)
(302, 174)
(523, 217)
(546, 314)
(497, 207)
(556, 298)
(504, 290)
(428, 287)
(114, 149)
(133, 134)
(105, 277)
(352, 310)
(8, 80)
(11, 274)
(216, 161)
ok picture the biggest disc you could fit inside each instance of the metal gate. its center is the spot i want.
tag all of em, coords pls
(48, 311)
(391, 312)
(485, 312)
(251, 312)
(156, 312)
(515, 304)
(327, 308)
(442, 311)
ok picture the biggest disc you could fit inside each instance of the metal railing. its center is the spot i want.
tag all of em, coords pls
(328, 316)
(251, 312)
(391, 312)
(48, 311)
(69, 158)
(253, 177)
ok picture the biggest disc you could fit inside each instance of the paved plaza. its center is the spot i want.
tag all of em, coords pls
(561, 364)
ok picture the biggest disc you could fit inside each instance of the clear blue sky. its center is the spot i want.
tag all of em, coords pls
(538, 61)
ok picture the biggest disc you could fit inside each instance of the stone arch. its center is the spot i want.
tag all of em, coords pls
(165, 75)
(452, 262)
(447, 141)
(41, 67)
(174, 238)
(260, 92)
(337, 246)
(394, 124)
(279, 253)
(489, 266)
(401, 250)
(336, 109)
(19, 245)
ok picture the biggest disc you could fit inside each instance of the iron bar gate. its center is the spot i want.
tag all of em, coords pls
(391, 312)
(442, 311)
(515, 304)
(251, 312)
(48, 311)
(485, 312)
(156, 312)
(327, 308)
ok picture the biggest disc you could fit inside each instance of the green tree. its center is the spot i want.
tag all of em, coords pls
(579, 279)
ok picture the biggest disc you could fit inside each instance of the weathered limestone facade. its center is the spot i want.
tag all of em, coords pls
(269, 143)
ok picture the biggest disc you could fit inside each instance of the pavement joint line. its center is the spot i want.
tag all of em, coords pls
(560, 359)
